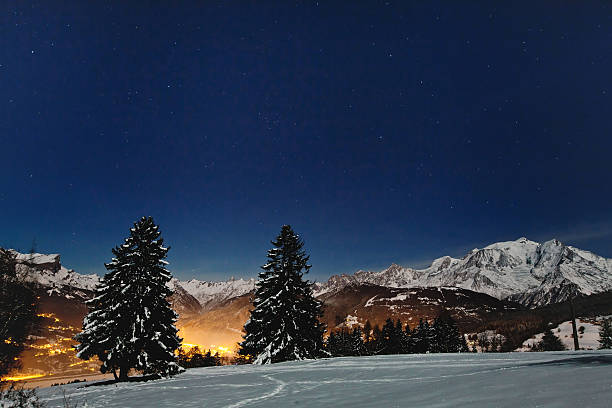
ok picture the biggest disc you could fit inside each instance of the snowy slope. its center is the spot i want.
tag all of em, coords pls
(588, 340)
(558, 379)
(525, 271)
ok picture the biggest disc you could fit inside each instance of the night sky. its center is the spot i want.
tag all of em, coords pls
(381, 131)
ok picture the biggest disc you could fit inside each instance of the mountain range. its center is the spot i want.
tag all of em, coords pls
(530, 273)
(533, 274)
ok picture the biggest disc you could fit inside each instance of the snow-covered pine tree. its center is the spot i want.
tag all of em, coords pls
(130, 324)
(446, 336)
(284, 323)
(400, 337)
(357, 345)
(408, 341)
(605, 334)
(331, 344)
(388, 343)
(437, 332)
(422, 337)
(343, 346)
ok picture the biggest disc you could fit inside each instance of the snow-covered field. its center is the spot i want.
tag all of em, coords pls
(588, 340)
(557, 379)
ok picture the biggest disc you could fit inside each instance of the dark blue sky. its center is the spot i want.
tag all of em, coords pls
(382, 131)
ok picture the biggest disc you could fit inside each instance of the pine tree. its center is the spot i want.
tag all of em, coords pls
(549, 342)
(408, 341)
(17, 312)
(130, 324)
(356, 341)
(605, 334)
(339, 344)
(331, 345)
(436, 343)
(345, 342)
(367, 333)
(284, 324)
(464, 345)
(422, 337)
(375, 344)
(387, 337)
(400, 340)
(446, 336)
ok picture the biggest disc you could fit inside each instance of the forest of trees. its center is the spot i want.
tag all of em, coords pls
(442, 336)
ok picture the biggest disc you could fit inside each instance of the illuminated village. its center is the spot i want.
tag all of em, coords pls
(51, 354)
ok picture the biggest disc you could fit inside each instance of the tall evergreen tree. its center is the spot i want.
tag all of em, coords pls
(446, 336)
(357, 344)
(284, 323)
(464, 345)
(376, 342)
(130, 324)
(605, 334)
(392, 335)
(331, 345)
(408, 345)
(17, 312)
(367, 332)
(436, 343)
(422, 337)
(387, 337)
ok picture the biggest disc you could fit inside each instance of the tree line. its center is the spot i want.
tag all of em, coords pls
(195, 357)
(442, 336)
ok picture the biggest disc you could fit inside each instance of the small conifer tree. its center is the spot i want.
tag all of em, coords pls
(549, 342)
(605, 334)
(422, 337)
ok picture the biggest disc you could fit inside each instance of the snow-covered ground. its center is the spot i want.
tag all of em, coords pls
(588, 340)
(557, 379)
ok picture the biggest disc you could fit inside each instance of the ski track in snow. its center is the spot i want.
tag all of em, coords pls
(281, 385)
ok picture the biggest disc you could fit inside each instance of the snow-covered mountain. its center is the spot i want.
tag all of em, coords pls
(190, 297)
(525, 271)
(48, 272)
(210, 294)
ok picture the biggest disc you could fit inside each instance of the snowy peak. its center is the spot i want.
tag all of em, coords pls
(49, 262)
(522, 270)
(47, 271)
